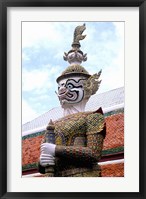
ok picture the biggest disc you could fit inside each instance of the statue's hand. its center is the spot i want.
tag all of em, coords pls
(46, 160)
(48, 148)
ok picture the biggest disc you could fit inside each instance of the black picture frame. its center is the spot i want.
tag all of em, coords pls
(4, 4)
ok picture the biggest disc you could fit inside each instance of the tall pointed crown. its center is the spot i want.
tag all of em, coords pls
(75, 56)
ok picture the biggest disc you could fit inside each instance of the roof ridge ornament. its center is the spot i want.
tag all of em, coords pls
(75, 55)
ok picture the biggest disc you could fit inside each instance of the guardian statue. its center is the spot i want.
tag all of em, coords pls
(72, 145)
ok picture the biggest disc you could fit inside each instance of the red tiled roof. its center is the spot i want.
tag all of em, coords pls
(115, 131)
(31, 150)
(112, 170)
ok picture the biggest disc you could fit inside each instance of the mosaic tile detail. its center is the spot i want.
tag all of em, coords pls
(104, 152)
(82, 125)
(43, 132)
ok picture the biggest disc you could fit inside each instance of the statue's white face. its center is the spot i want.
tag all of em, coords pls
(71, 90)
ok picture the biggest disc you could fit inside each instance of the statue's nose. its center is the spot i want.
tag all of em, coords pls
(62, 89)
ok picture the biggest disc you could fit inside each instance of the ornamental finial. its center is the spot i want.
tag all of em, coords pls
(78, 35)
(75, 55)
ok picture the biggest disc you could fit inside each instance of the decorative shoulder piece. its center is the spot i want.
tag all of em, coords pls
(95, 123)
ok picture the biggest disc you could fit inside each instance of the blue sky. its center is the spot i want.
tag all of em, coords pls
(43, 46)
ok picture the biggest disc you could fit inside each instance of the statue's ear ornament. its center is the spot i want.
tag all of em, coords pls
(91, 85)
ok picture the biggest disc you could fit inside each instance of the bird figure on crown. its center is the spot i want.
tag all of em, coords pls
(72, 145)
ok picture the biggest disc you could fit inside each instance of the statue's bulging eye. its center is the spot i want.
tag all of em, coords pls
(69, 86)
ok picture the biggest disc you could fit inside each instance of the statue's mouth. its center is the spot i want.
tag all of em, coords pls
(65, 95)
(61, 95)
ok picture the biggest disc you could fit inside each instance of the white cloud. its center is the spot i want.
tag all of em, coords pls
(39, 80)
(54, 34)
(112, 78)
(37, 32)
(119, 26)
(25, 57)
(35, 79)
(27, 112)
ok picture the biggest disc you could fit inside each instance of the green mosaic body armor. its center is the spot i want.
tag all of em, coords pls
(79, 141)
